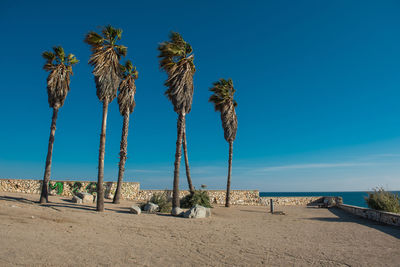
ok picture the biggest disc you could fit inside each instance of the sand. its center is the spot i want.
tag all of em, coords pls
(67, 234)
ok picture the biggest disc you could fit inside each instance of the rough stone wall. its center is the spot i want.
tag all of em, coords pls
(291, 201)
(65, 188)
(131, 191)
(238, 197)
(375, 215)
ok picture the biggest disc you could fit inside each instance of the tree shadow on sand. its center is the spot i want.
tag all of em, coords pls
(343, 216)
(67, 203)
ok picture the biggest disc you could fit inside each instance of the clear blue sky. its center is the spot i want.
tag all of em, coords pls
(318, 87)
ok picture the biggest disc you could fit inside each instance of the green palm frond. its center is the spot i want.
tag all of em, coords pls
(121, 50)
(56, 58)
(94, 39)
(49, 56)
(59, 51)
(223, 94)
(174, 51)
(72, 60)
(128, 70)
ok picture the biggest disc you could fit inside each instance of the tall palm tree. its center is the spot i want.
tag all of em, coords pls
(60, 67)
(177, 61)
(223, 102)
(126, 102)
(105, 59)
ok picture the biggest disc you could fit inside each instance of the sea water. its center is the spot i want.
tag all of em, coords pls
(355, 198)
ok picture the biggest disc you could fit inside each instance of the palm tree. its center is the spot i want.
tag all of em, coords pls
(60, 68)
(223, 102)
(126, 102)
(105, 59)
(177, 61)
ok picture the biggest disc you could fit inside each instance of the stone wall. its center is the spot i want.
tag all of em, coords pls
(238, 197)
(375, 215)
(65, 188)
(131, 191)
(291, 201)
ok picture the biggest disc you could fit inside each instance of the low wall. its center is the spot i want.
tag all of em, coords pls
(291, 201)
(131, 191)
(238, 197)
(375, 215)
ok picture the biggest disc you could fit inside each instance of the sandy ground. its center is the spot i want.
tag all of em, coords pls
(67, 234)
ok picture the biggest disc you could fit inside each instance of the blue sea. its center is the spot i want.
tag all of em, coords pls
(355, 198)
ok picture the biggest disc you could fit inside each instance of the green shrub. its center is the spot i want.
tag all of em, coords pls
(382, 200)
(163, 202)
(199, 197)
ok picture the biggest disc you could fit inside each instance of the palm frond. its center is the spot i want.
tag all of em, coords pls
(59, 51)
(222, 98)
(178, 64)
(58, 81)
(94, 39)
(121, 50)
(49, 56)
(105, 59)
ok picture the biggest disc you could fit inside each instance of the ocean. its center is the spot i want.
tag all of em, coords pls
(355, 198)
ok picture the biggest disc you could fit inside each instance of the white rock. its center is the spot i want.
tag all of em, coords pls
(76, 199)
(151, 208)
(197, 212)
(135, 210)
(86, 197)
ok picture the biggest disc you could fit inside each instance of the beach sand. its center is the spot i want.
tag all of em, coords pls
(67, 234)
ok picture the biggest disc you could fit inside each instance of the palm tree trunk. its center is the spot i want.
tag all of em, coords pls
(189, 179)
(122, 154)
(44, 196)
(228, 185)
(100, 176)
(178, 155)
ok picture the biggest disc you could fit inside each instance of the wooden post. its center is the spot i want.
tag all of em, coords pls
(271, 205)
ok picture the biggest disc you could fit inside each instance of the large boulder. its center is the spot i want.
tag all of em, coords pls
(86, 197)
(197, 212)
(151, 208)
(177, 212)
(135, 210)
(76, 199)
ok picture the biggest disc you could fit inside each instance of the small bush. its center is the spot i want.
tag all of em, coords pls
(163, 202)
(199, 197)
(383, 200)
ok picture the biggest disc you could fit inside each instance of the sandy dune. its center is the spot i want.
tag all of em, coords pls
(67, 234)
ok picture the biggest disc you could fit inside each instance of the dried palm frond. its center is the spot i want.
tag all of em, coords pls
(177, 62)
(60, 67)
(105, 59)
(127, 88)
(223, 101)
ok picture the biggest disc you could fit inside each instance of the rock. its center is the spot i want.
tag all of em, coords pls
(76, 199)
(109, 196)
(135, 210)
(329, 201)
(86, 197)
(177, 212)
(197, 212)
(151, 208)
